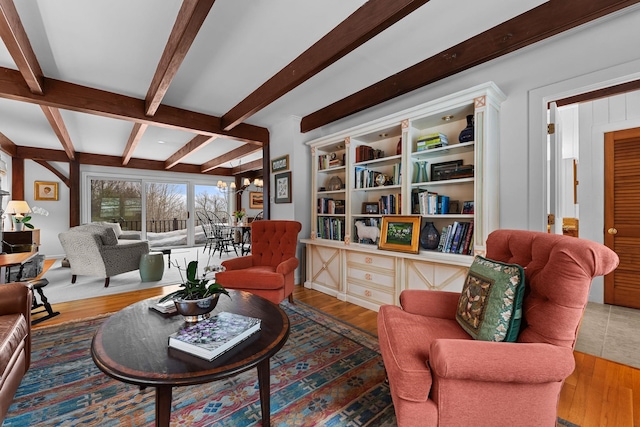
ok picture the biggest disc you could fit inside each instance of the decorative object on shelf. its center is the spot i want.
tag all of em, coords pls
(196, 297)
(381, 179)
(335, 183)
(400, 233)
(444, 170)
(283, 187)
(467, 133)
(280, 164)
(429, 236)
(370, 208)
(399, 147)
(421, 174)
(467, 207)
(367, 232)
(45, 190)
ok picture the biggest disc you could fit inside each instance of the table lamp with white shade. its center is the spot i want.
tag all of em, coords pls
(18, 208)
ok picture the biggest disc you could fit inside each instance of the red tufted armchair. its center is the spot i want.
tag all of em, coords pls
(439, 376)
(269, 270)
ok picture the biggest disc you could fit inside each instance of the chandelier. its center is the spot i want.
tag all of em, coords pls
(224, 187)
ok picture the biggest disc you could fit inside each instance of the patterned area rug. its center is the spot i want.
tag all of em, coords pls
(328, 374)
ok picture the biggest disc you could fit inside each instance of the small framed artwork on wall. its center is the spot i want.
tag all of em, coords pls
(283, 187)
(255, 200)
(45, 190)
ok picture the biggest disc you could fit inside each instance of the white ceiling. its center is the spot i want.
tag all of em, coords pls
(115, 45)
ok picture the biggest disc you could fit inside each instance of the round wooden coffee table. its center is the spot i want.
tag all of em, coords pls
(132, 346)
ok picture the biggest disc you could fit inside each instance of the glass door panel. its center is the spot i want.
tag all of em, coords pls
(117, 201)
(207, 199)
(166, 214)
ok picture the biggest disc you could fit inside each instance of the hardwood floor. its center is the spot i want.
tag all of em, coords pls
(598, 393)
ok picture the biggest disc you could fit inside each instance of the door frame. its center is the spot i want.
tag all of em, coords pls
(591, 217)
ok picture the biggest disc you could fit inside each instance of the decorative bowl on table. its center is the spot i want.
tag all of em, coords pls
(195, 310)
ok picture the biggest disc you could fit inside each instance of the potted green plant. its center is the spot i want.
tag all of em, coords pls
(198, 295)
(23, 221)
(239, 215)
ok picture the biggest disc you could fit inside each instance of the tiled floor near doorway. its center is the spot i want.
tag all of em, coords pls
(611, 332)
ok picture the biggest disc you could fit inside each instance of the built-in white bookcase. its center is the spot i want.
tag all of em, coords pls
(372, 170)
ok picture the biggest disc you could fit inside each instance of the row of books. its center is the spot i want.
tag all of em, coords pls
(328, 161)
(390, 204)
(457, 238)
(433, 140)
(331, 228)
(430, 203)
(367, 178)
(364, 153)
(327, 205)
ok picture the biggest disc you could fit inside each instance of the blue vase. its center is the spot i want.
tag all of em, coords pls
(467, 133)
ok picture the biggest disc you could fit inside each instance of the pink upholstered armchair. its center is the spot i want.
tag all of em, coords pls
(269, 270)
(440, 376)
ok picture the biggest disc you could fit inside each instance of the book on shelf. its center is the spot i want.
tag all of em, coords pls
(214, 336)
(432, 140)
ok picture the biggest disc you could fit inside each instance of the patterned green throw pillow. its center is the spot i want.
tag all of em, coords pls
(490, 305)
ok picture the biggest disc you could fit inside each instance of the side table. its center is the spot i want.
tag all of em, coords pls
(151, 266)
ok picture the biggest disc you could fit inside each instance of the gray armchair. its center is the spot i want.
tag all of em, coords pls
(94, 250)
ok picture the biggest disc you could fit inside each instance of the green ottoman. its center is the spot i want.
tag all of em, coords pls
(151, 266)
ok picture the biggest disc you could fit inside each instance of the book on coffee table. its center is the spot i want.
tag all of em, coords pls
(165, 307)
(214, 336)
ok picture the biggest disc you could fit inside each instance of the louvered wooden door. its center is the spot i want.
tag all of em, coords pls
(622, 215)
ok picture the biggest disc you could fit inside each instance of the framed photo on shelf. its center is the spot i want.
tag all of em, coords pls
(283, 187)
(467, 207)
(280, 164)
(400, 233)
(370, 208)
(45, 190)
(256, 200)
(454, 207)
(440, 171)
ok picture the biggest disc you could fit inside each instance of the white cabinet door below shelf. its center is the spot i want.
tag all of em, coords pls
(433, 276)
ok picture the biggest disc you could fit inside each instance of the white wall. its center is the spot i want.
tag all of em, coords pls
(571, 61)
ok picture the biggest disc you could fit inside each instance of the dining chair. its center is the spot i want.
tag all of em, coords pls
(207, 228)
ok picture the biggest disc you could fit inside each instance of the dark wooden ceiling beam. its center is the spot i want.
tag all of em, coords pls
(365, 23)
(57, 124)
(246, 167)
(198, 142)
(83, 99)
(7, 145)
(188, 22)
(47, 154)
(134, 139)
(546, 20)
(15, 39)
(242, 151)
(55, 171)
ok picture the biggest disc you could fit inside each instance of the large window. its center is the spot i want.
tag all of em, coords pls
(163, 212)
(117, 201)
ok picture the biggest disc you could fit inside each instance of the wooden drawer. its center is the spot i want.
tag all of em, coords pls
(371, 276)
(375, 296)
(378, 261)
